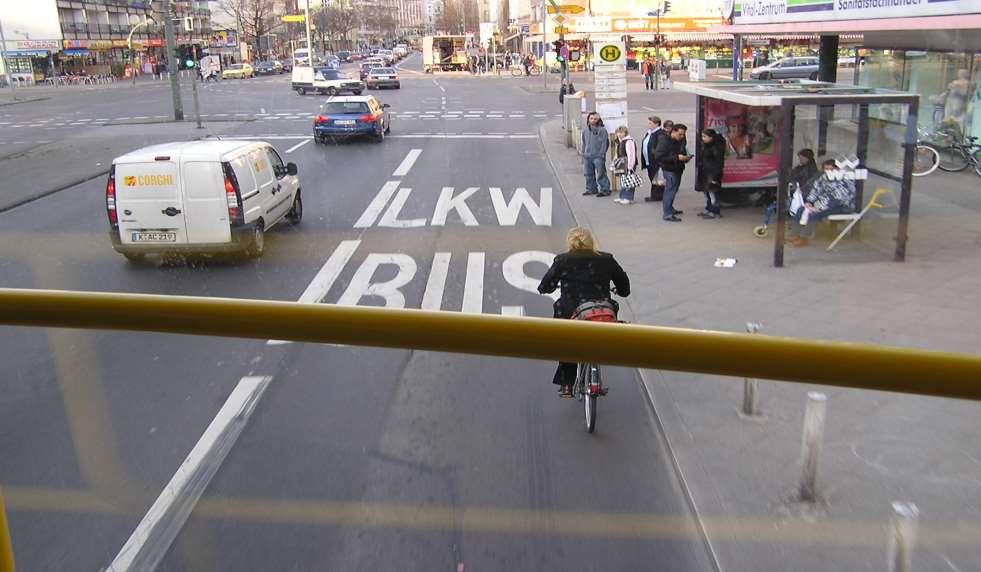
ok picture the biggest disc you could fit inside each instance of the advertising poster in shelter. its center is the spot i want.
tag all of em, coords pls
(752, 141)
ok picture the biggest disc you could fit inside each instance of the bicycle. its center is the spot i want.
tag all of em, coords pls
(518, 70)
(589, 383)
(926, 159)
(959, 154)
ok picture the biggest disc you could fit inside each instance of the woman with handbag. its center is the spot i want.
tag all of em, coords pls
(625, 165)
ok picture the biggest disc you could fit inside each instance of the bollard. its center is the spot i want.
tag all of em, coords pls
(811, 444)
(903, 528)
(751, 400)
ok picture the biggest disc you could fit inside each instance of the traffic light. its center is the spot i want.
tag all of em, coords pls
(558, 50)
(667, 7)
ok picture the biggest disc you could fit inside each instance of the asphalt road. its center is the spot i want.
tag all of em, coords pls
(344, 458)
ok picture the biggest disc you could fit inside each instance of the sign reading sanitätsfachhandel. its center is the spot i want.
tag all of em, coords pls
(767, 11)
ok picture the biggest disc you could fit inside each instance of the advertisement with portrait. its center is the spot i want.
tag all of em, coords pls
(752, 141)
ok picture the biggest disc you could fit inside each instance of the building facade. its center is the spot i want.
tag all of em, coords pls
(33, 40)
(95, 33)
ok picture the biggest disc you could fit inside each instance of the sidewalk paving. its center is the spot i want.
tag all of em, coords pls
(878, 447)
(86, 154)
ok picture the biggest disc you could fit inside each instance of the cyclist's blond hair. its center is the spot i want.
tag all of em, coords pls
(580, 239)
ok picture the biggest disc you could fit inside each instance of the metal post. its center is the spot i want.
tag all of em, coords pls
(737, 56)
(194, 91)
(6, 64)
(783, 180)
(6, 547)
(903, 528)
(811, 444)
(751, 396)
(907, 184)
(657, 53)
(544, 43)
(172, 65)
(306, 21)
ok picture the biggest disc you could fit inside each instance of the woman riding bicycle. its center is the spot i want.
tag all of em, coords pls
(584, 275)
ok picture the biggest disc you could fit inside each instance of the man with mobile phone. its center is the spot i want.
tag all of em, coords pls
(672, 156)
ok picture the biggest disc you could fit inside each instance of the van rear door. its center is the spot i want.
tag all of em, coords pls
(149, 204)
(205, 204)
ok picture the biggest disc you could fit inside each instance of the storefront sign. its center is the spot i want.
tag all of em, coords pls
(68, 44)
(119, 44)
(626, 25)
(752, 138)
(28, 53)
(49, 45)
(100, 44)
(591, 23)
(767, 11)
(155, 43)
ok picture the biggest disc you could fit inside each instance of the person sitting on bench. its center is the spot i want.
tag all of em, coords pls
(829, 194)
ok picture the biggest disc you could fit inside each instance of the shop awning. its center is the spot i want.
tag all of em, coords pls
(960, 21)
(26, 53)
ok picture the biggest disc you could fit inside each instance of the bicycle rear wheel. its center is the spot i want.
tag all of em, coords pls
(925, 160)
(589, 396)
(952, 159)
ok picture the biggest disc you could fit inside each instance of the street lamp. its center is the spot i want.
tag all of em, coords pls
(6, 63)
(656, 13)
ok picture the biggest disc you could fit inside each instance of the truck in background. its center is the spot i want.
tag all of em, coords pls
(444, 53)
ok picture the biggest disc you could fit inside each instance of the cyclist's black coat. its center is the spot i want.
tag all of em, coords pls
(583, 276)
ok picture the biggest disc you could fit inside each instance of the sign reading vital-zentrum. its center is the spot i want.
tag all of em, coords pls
(766, 11)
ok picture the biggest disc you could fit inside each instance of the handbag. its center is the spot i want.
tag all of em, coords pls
(629, 180)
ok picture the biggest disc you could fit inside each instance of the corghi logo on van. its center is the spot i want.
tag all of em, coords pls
(148, 180)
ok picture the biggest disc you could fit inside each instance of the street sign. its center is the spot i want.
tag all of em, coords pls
(559, 19)
(562, 30)
(566, 9)
(525, 29)
(609, 54)
(293, 18)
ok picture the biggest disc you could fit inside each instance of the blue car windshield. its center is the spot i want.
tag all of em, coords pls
(334, 107)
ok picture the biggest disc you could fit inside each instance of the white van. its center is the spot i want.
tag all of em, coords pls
(206, 196)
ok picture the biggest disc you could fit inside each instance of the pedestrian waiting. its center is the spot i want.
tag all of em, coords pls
(595, 144)
(655, 132)
(708, 175)
(625, 166)
(672, 155)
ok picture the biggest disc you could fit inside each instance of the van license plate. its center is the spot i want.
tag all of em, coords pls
(154, 237)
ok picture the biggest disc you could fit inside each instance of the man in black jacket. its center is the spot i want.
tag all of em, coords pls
(647, 147)
(672, 155)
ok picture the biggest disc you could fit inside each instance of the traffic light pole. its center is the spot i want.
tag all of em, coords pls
(173, 66)
(657, 54)
(544, 43)
(194, 90)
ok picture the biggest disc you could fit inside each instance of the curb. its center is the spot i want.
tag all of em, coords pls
(41, 195)
(582, 219)
(19, 101)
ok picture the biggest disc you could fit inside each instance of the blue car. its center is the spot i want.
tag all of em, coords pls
(352, 115)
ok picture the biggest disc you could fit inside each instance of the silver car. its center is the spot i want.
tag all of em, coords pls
(801, 67)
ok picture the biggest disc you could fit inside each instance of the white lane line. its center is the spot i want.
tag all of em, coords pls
(492, 116)
(123, 118)
(448, 136)
(169, 512)
(298, 145)
(407, 163)
(134, 117)
(512, 310)
(155, 117)
(498, 133)
(374, 209)
(107, 119)
(443, 89)
(432, 299)
(325, 278)
(648, 109)
(262, 111)
(473, 285)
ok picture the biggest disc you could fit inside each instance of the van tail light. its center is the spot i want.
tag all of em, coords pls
(368, 118)
(233, 198)
(321, 119)
(396, 78)
(111, 196)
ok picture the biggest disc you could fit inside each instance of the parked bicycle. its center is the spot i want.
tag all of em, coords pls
(959, 154)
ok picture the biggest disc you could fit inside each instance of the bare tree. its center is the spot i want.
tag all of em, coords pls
(451, 17)
(254, 18)
(333, 22)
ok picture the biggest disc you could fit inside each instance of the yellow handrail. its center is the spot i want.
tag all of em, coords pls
(6, 548)
(862, 366)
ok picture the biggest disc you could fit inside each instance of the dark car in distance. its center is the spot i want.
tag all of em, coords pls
(268, 68)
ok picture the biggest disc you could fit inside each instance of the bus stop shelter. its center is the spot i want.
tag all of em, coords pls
(870, 132)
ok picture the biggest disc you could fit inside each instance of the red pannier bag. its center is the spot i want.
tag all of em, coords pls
(598, 311)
